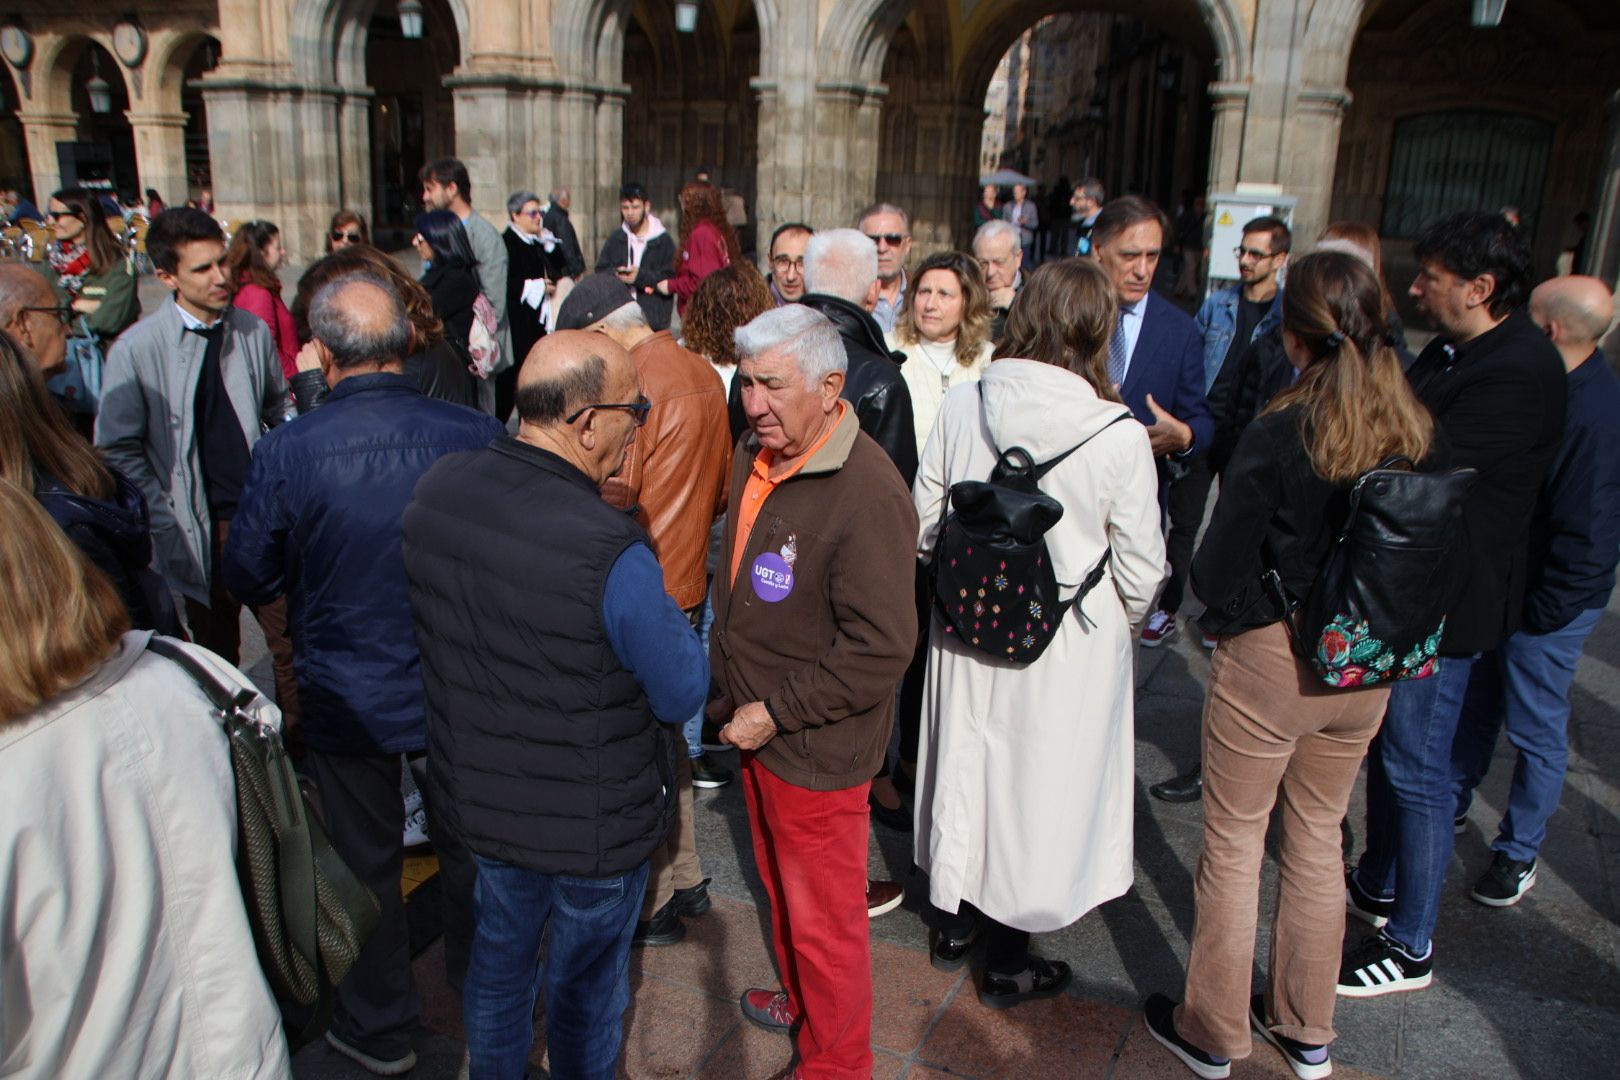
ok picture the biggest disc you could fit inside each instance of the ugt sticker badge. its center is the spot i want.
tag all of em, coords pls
(772, 573)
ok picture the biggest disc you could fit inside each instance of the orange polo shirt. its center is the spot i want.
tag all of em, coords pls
(761, 484)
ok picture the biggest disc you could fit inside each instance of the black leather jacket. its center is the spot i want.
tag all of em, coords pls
(873, 383)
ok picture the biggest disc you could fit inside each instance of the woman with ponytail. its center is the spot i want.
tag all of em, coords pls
(1273, 733)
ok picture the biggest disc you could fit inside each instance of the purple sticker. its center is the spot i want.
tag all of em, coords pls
(772, 578)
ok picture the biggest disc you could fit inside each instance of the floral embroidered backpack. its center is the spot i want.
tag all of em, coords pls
(1378, 608)
(993, 583)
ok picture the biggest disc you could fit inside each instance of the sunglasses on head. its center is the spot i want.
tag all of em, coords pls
(893, 239)
(351, 237)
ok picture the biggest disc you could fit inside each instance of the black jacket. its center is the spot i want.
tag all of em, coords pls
(556, 220)
(116, 537)
(657, 264)
(440, 372)
(453, 290)
(525, 262)
(542, 747)
(873, 383)
(1273, 512)
(1499, 400)
(1242, 389)
(1575, 538)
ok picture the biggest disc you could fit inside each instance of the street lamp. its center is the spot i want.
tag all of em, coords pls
(99, 89)
(410, 18)
(686, 16)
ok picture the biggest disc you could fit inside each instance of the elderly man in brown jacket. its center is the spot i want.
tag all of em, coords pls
(814, 624)
(674, 479)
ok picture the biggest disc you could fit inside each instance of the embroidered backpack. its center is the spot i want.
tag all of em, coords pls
(993, 584)
(1377, 610)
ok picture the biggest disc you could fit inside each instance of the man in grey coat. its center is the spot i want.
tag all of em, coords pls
(186, 394)
(446, 186)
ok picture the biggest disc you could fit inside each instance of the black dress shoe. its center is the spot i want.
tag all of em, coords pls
(898, 818)
(949, 953)
(1186, 788)
(1042, 979)
(664, 928)
(694, 901)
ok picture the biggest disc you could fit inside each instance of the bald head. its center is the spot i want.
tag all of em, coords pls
(1576, 312)
(22, 286)
(567, 379)
(361, 322)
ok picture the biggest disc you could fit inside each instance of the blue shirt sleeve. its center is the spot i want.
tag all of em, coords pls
(653, 638)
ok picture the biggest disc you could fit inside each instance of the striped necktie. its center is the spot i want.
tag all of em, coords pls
(1118, 350)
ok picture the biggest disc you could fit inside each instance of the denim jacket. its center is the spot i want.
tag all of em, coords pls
(1217, 322)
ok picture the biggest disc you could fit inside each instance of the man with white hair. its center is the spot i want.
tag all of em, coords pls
(1001, 257)
(1574, 545)
(841, 274)
(814, 623)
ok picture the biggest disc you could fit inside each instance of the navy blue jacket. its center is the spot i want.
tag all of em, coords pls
(1168, 363)
(1575, 537)
(319, 521)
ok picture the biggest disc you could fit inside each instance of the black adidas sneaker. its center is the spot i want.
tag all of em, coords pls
(1505, 882)
(1380, 966)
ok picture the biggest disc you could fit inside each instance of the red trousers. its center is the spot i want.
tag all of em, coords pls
(811, 850)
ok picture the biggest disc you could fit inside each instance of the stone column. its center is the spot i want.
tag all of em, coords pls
(42, 131)
(1603, 255)
(1230, 103)
(160, 152)
(841, 151)
(1312, 152)
(609, 169)
(493, 139)
(354, 151)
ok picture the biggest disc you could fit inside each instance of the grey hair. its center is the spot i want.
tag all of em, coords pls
(1092, 188)
(21, 286)
(354, 331)
(803, 333)
(518, 200)
(990, 230)
(625, 318)
(841, 263)
(548, 401)
(556, 193)
(1346, 247)
(886, 208)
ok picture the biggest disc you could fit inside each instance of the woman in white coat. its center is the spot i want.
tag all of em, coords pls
(127, 948)
(1026, 776)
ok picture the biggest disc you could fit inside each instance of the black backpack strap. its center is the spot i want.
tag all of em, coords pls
(1045, 467)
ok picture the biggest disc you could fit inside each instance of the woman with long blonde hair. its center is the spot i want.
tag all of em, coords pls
(1273, 732)
(119, 799)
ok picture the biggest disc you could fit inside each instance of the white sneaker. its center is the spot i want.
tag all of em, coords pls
(416, 829)
(1160, 628)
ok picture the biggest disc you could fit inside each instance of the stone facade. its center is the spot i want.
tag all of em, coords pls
(809, 108)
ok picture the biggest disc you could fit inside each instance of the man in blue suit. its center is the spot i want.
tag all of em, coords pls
(1156, 357)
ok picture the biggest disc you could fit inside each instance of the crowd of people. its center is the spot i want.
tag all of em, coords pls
(553, 544)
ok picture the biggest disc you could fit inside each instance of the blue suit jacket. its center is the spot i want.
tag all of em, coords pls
(1169, 364)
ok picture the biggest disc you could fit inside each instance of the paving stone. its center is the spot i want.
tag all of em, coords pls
(1061, 1036)
(670, 1028)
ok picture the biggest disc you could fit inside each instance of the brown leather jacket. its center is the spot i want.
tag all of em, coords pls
(678, 465)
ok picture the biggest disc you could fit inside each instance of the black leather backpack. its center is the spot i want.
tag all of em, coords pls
(1378, 608)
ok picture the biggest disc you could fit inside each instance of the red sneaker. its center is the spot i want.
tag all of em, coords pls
(1160, 628)
(769, 1009)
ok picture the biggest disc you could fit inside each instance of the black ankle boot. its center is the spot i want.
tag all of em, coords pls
(1042, 979)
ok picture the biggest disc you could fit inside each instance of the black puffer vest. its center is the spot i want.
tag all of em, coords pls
(542, 750)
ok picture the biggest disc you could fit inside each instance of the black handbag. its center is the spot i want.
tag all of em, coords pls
(309, 913)
(1377, 610)
(993, 584)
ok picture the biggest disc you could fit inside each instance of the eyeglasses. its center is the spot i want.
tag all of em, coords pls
(893, 239)
(531, 213)
(1252, 253)
(58, 215)
(638, 410)
(61, 312)
(339, 235)
(787, 262)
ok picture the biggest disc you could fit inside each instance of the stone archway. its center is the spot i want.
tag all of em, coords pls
(14, 170)
(69, 143)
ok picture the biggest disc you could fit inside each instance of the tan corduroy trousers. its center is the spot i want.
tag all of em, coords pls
(1274, 735)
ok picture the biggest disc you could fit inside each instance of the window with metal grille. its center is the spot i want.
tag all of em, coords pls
(1444, 162)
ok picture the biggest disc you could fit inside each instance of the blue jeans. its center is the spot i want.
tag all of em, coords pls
(1410, 804)
(693, 728)
(1524, 684)
(586, 973)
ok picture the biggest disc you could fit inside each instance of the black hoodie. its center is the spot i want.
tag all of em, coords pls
(116, 537)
